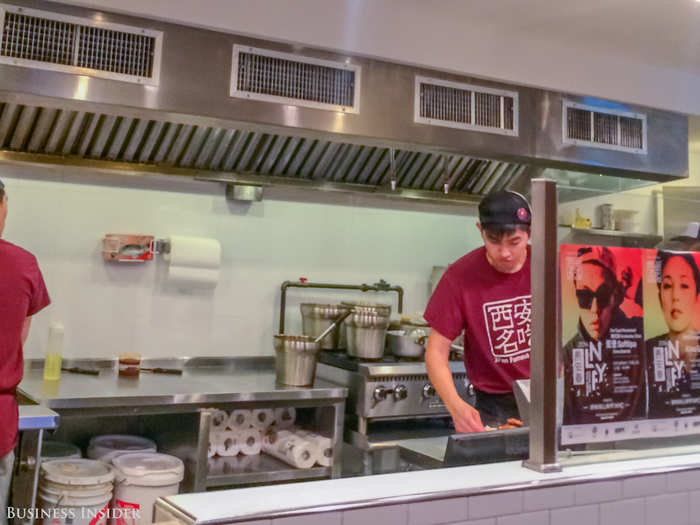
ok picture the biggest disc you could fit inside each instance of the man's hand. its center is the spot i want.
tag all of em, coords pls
(466, 418)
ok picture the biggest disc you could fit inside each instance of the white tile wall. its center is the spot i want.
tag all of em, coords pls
(597, 492)
(108, 308)
(528, 518)
(549, 498)
(694, 498)
(624, 512)
(644, 486)
(322, 518)
(585, 515)
(388, 515)
(439, 511)
(683, 481)
(668, 509)
(495, 504)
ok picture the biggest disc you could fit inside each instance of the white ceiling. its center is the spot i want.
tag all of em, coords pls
(643, 51)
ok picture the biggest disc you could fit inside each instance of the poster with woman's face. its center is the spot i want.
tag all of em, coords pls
(602, 332)
(671, 323)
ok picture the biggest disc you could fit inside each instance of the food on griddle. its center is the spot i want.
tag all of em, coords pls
(514, 422)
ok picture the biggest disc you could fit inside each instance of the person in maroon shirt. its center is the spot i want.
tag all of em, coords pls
(22, 294)
(485, 294)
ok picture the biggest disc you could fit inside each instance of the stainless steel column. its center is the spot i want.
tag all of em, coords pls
(546, 329)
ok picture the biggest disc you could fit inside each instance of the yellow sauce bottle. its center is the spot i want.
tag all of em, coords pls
(52, 363)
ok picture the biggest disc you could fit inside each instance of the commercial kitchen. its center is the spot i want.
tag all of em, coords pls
(201, 187)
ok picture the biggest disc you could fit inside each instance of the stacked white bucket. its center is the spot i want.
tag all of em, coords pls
(249, 432)
(119, 483)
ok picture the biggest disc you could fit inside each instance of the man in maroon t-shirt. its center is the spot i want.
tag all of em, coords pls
(485, 294)
(22, 294)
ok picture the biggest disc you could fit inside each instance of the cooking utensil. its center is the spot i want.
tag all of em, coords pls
(295, 362)
(158, 370)
(76, 370)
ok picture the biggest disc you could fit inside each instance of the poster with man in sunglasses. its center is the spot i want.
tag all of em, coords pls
(602, 322)
(671, 321)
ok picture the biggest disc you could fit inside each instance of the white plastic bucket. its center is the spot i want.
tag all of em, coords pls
(58, 450)
(140, 480)
(107, 447)
(75, 491)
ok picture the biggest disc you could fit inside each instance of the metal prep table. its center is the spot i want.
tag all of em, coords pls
(171, 409)
(33, 420)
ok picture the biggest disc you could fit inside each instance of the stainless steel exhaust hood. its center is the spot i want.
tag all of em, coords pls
(228, 108)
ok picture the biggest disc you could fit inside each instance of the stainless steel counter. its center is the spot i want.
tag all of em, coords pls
(173, 410)
(251, 380)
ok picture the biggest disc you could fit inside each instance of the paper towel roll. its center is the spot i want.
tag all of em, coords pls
(229, 443)
(322, 444)
(219, 418)
(291, 449)
(263, 418)
(284, 417)
(194, 262)
(240, 419)
(250, 441)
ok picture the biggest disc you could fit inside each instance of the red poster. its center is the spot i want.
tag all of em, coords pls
(671, 321)
(603, 334)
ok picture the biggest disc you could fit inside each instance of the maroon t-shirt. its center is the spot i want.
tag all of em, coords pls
(22, 294)
(493, 309)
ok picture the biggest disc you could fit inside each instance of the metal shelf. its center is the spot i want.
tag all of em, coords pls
(240, 470)
(631, 239)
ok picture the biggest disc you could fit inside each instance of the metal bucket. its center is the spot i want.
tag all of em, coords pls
(317, 317)
(381, 309)
(295, 361)
(366, 333)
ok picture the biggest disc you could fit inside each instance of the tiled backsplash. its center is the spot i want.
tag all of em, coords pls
(657, 499)
(109, 308)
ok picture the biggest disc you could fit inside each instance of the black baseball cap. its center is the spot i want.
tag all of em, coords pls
(504, 208)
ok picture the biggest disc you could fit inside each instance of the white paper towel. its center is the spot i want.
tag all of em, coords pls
(219, 418)
(322, 444)
(228, 443)
(250, 441)
(194, 262)
(291, 449)
(284, 417)
(263, 418)
(240, 419)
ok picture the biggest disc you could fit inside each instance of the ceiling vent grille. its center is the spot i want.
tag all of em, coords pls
(602, 128)
(465, 106)
(261, 74)
(45, 40)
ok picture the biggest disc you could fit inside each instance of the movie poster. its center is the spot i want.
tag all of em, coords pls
(602, 334)
(671, 321)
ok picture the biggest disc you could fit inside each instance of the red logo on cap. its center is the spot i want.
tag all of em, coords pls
(523, 214)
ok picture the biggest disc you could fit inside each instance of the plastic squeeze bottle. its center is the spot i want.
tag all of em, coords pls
(52, 363)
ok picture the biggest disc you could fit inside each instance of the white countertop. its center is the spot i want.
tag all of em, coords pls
(315, 496)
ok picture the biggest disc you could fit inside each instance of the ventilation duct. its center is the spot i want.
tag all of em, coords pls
(464, 106)
(602, 128)
(261, 74)
(46, 40)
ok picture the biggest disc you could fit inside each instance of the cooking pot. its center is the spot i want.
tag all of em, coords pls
(295, 355)
(381, 309)
(366, 335)
(317, 317)
(403, 343)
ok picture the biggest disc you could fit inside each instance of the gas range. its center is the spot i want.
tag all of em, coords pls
(388, 389)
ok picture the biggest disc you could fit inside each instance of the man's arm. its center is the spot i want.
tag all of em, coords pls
(437, 354)
(25, 329)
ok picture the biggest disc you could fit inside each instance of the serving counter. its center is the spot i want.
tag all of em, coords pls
(173, 410)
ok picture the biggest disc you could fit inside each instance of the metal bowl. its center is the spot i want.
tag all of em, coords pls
(366, 335)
